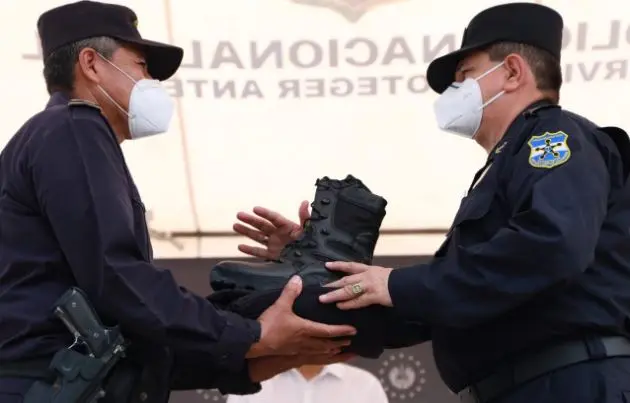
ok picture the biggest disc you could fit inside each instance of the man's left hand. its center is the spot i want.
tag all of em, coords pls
(364, 286)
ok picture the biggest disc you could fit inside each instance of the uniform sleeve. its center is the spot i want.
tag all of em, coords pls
(552, 234)
(82, 189)
(192, 373)
(406, 334)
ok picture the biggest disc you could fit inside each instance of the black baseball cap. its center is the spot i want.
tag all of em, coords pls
(526, 23)
(73, 22)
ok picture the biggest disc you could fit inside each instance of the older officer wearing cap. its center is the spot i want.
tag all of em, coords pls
(528, 298)
(70, 215)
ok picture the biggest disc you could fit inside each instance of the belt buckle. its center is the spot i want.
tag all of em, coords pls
(469, 395)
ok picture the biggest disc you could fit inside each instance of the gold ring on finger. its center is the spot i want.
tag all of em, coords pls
(357, 289)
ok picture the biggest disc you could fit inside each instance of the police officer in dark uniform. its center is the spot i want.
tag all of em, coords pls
(528, 298)
(70, 215)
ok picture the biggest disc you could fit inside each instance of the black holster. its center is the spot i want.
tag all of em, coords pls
(118, 386)
(74, 376)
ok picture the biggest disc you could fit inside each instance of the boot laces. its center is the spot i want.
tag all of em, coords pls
(306, 239)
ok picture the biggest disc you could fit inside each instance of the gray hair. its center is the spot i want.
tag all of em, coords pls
(59, 65)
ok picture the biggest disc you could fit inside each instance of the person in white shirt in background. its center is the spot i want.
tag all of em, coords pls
(335, 383)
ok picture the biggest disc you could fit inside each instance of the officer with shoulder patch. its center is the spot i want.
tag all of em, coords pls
(70, 215)
(528, 299)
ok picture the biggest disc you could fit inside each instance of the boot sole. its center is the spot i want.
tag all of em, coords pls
(229, 279)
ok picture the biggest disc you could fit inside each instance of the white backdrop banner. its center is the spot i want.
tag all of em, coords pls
(276, 93)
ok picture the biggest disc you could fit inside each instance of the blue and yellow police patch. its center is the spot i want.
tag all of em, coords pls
(549, 150)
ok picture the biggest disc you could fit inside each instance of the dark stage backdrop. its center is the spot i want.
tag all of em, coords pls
(408, 375)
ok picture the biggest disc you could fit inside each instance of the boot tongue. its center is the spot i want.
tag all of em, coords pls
(326, 182)
(351, 237)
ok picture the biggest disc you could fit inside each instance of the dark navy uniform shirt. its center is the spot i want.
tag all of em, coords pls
(539, 251)
(70, 215)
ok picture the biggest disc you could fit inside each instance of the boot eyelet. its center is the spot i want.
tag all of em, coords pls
(325, 201)
(297, 253)
(325, 231)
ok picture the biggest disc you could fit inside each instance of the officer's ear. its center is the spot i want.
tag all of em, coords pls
(517, 72)
(89, 63)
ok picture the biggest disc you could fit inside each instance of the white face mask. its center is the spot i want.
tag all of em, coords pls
(459, 108)
(150, 106)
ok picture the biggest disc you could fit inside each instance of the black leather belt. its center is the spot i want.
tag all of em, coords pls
(543, 362)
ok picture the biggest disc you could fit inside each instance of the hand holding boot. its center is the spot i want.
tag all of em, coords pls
(362, 286)
(285, 333)
(270, 229)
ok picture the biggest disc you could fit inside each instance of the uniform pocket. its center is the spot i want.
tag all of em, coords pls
(140, 227)
(473, 207)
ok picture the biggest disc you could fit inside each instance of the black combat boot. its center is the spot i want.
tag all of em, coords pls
(344, 225)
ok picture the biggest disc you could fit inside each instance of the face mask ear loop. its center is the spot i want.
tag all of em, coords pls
(489, 71)
(120, 108)
(117, 68)
(129, 115)
(494, 98)
(491, 100)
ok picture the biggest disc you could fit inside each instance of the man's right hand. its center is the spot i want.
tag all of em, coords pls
(270, 229)
(285, 333)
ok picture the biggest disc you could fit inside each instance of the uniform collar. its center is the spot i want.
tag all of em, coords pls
(60, 98)
(57, 98)
(511, 137)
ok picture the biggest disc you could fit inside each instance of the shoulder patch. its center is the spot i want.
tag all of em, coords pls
(83, 102)
(549, 150)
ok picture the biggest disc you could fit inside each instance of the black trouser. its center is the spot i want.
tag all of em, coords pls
(596, 369)
(602, 381)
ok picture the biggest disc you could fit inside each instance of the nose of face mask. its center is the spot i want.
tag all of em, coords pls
(150, 109)
(459, 108)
